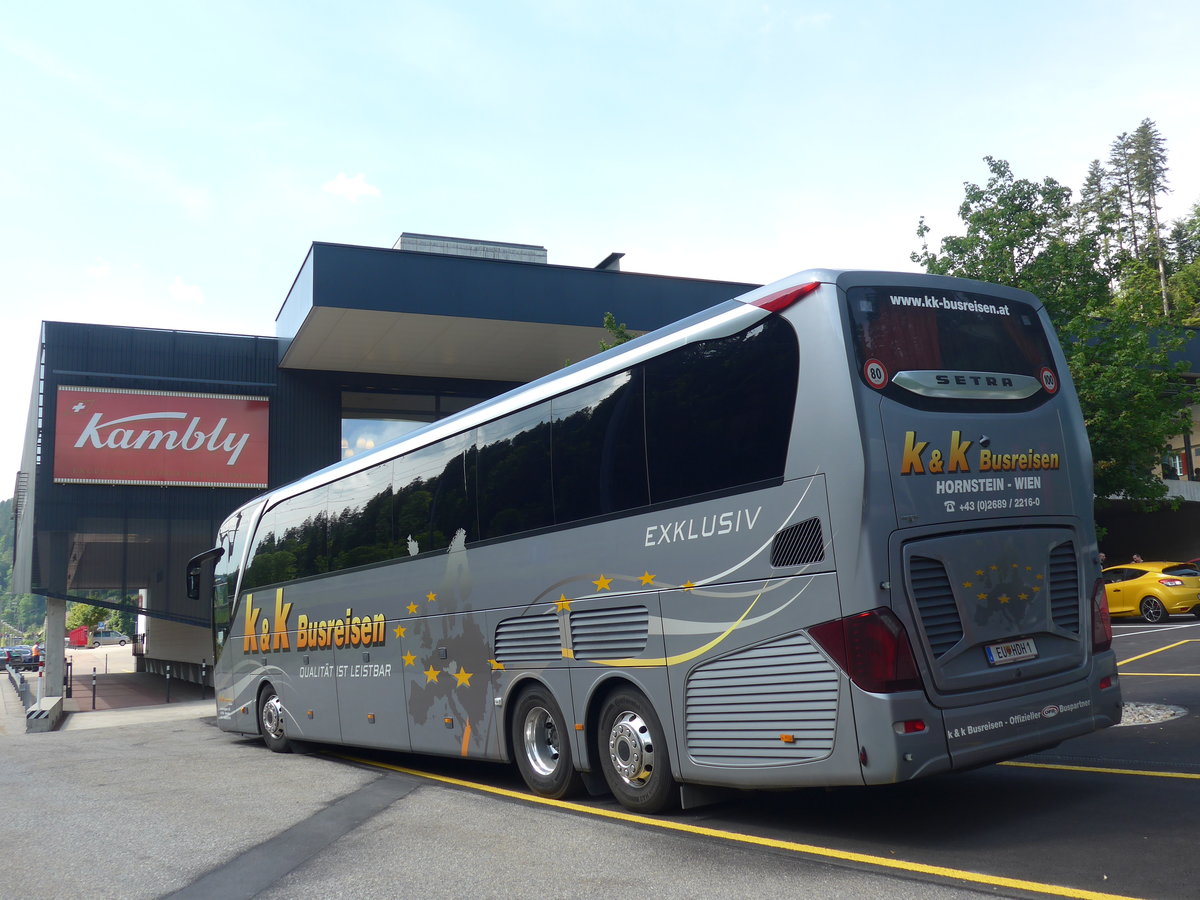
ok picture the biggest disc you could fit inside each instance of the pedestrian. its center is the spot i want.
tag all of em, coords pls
(1137, 557)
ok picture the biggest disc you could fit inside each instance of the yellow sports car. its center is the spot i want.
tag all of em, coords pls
(1152, 590)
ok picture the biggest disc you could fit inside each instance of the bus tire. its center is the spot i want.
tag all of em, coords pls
(542, 746)
(271, 718)
(632, 748)
(1153, 610)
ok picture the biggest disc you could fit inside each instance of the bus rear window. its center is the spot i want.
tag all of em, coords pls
(914, 344)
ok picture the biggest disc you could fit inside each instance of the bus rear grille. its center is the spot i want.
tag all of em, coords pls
(529, 639)
(601, 633)
(1064, 587)
(769, 704)
(799, 544)
(934, 599)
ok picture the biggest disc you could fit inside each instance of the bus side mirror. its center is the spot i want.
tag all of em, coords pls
(194, 566)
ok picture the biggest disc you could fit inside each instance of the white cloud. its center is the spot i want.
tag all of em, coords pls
(350, 188)
(99, 270)
(185, 293)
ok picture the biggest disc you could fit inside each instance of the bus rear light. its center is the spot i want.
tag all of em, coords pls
(1102, 633)
(1106, 682)
(910, 726)
(873, 649)
(781, 300)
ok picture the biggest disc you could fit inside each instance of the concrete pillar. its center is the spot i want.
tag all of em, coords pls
(56, 632)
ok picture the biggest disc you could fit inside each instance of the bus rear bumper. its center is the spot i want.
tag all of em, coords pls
(986, 733)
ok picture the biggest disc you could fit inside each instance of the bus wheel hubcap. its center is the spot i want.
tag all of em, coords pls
(272, 718)
(631, 749)
(541, 741)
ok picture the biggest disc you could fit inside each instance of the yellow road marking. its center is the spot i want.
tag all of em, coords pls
(1101, 770)
(737, 837)
(1161, 674)
(1159, 650)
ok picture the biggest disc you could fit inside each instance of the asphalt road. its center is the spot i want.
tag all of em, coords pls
(146, 805)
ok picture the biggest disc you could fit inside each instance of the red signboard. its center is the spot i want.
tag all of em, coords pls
(114, 436)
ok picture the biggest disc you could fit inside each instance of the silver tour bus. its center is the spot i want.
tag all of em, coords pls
(837, 531)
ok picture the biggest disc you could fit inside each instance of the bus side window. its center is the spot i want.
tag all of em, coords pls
(600, 449)
(431, 502)
(719, 412)
(512, 473)
(360, 519)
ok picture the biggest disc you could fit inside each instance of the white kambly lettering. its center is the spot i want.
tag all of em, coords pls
(191, 439)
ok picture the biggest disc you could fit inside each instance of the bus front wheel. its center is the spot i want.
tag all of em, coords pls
(542, 746)
(271, 716)
(632, 748)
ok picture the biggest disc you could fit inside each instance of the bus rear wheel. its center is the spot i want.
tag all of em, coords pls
(542, 746)
(633, 754)
(271, 716)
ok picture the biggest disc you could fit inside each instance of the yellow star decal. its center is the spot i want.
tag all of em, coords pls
(1003, 598)
(994, 568)
(431, 674)
(1036, 590)
(431, 597)
(688, 586)
(979, 571)
(1022, 596)
(563, 604)
(1015, 566)
(400, 631)
(968, 584)
(602, 583)
(412, 608)
(496, 666)
(981, 596)
(647, 578)
(1038, 577)
(409, 659)
(463, 677)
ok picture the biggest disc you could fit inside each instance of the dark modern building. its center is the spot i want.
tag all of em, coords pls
(140, 441)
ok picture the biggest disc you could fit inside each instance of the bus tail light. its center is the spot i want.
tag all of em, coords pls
(873, 649)
(781, 300)
(1102, 634)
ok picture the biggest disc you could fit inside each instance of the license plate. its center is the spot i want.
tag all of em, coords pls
(1010, 652)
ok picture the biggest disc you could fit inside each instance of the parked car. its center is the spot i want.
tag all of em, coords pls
(103, 637)
(21, 658)
(1152, 590)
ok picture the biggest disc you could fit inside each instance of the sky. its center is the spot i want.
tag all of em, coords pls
(168, 165)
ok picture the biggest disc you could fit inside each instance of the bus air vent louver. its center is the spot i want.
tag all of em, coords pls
(608, 633)
(934, 599)
(799, 544)
(1064, 587)
(529, 639)
(737, 707)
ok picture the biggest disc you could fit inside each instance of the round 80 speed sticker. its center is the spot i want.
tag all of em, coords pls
(876, 374)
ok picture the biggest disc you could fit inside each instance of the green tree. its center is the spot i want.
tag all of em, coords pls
(1148, 154)
(618, 332)
(1026, 234)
